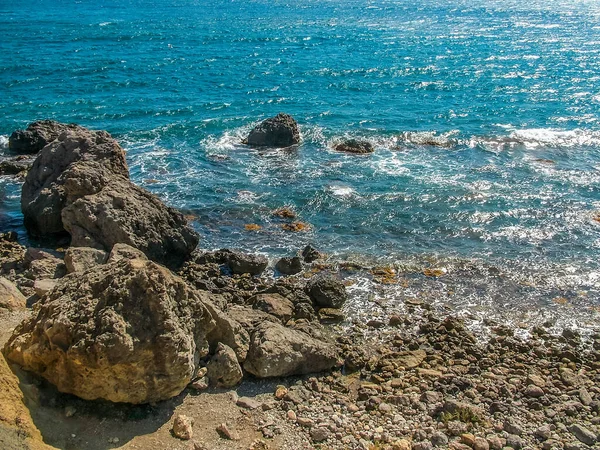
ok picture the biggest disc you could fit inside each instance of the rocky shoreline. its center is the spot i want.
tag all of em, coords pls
(124, 308)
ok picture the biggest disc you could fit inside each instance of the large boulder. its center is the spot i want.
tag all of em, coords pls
(279, 131)
(126, 331)
(37, 136)
(276, 351)
(327, 291)
(44, 194)
(125, 213)
(79, 184)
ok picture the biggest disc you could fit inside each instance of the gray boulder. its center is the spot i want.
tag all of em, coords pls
(276, 351)
(279, 131)
(37, 136)
(327, 291)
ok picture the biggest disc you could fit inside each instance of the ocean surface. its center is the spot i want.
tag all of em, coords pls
(485, 116)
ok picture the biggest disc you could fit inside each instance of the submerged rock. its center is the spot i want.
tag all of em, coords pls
(279, 131)
(127, 331)
(276, 351)
(355, 146)
(37, 136)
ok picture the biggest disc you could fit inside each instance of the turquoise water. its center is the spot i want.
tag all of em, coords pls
(509, 91)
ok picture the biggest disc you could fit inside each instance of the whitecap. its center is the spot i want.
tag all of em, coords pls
(3, 142)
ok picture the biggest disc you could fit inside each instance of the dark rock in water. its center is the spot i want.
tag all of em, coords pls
(327, 291)
(279, 131)
(355, 146)
(311, 254)
(276, 351)
(240, 263)
(330, 315)
(127, 331)
(289, 265)
(37, 136)
(14, 166)
(80, 184)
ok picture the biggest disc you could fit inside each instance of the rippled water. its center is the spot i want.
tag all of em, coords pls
(484, 115)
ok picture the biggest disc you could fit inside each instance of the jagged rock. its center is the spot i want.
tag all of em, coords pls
(43, 264)
(79, 259)
(10, 296)
(223, 368)
(310, 254)
(275, 305)
(227, 330)
(327, 291)
(127, 331)
(124, 251)
(276, 351)
(355, 146)
(289, 266)
(37, 136)
(279, 131)
(80, 184)
(125, 213)
(241, 263)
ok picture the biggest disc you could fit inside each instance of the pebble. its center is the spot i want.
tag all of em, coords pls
(182, 427)
(228, 433)
(248, 403)
(583, 434)
(319, 434)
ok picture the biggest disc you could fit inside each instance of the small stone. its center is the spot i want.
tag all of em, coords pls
(439, 439)
(395, 321)
(305, 422)
(385, 408)
(201, 384)
(543, 433)
(70, 411)
(227, 433)
(514, 441)
(534, 391)
(402, 444)
(468, 439)
(248, 403)
(511, 427)
(182, 427)
(319, 434)
(583, 434)
(585, 397)
(481, 444)
(280, 392)
(496, 442)
(536, 380)
(423, 445)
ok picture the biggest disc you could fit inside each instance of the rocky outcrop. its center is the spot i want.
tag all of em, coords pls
(289, 265)
(327, 291)
(355, 146)
(37, 136)
(279, 131)
(276, 351)
(127, 331)
(79, 184)
(44, 193)
(10, 296)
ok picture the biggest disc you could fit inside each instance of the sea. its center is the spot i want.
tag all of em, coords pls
(482, 197)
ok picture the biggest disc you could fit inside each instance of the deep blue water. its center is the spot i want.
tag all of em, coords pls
(511, 90)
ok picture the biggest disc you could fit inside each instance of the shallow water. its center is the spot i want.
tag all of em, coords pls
(484, 116)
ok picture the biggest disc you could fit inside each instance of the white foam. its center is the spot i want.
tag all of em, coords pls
(3, 142)
(342, 191)
(536, 137)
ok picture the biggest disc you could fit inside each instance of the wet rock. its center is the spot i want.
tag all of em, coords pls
(327, 291)
(37, 136)
(223, 368)
(10, 296)
(310, 254)
(182, 427)
(355, 146)
(279, 131)
(15, 166)
(277, 351)
(274, 304)
(79, 259)
(241, 263)
(127, 331)
(289, 265)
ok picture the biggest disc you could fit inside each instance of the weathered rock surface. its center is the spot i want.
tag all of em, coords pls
(327, 291)
(279, 131)
(355, 146)
(79, 184)
(10, 296)
(223, 368)
(12, 254)
(275, 305)
(79, 259)
(15, 166)
(276, 351)
(289, 265)
(44, 193)
(37, 135)
(182, 427)
(43, 264)
(127, 331)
